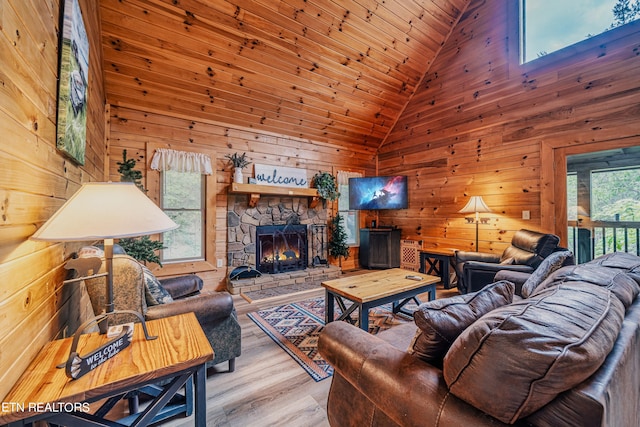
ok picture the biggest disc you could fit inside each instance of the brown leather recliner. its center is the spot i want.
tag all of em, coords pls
(528, 248)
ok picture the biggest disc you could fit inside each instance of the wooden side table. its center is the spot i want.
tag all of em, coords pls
(178, 355)
(437, 261)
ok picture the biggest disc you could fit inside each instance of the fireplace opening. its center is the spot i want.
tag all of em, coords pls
(281, 248)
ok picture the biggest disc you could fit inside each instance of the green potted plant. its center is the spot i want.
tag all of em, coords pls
(326, 185)
(141, 248)
(238, 162)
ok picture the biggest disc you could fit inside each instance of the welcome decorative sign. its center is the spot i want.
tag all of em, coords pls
(281, 176)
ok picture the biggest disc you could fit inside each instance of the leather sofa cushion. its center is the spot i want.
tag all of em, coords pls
(441, 321)
(550, 264)
(616, 280)
(519, 357)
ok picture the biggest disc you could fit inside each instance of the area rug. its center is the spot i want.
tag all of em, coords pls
(295, 327)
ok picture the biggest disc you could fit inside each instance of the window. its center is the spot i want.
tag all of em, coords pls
(192, 248)
(351, 217)
(547, 26)
(182, 199)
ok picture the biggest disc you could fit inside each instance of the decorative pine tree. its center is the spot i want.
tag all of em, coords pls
(338, 247)
(128, 173)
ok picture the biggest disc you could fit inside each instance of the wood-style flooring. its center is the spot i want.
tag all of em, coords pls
(268, 388)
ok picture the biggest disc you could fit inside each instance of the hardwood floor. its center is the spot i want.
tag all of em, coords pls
(268, 388)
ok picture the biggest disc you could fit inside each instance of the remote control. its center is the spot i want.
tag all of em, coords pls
(412, 277)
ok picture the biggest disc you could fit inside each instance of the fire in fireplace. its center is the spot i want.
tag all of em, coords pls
(281, 248)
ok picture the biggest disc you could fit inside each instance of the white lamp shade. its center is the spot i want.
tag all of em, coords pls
(105, 210)
(475, 204)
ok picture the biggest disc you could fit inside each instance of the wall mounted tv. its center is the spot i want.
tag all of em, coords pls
(378, 192)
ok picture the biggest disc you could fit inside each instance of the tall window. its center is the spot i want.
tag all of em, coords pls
(182, 181)
(182, 199)
(351, 217)
(547, 26)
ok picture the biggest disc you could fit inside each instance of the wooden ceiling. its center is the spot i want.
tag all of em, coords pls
(333, 71)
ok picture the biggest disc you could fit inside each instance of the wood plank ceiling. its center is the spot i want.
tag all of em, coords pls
(331, 71)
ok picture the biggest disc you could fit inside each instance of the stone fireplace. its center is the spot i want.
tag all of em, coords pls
(277, 237)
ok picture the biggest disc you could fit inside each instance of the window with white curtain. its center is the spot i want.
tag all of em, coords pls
(182, 198)
(351, 217)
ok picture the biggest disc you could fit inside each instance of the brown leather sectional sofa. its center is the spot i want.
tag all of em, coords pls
(567, 355)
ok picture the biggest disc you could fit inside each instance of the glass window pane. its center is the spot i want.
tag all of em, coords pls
(186, 241)
(615, 195)
(181, 190)
(182, 200)
(572, 197)
(550, 25)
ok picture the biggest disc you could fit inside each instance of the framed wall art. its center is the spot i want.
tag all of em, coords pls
(73, 80)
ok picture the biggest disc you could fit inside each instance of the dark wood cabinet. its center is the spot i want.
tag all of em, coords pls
(379, 248)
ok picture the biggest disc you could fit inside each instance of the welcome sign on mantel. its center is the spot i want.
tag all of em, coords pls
(281, 176)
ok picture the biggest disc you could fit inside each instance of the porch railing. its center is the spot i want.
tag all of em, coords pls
(589, 241)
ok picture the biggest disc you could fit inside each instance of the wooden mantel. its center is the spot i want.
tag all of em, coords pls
(255, 191)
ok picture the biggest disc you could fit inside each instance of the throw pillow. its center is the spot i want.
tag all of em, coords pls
(548, 266)
(155, 294)
(441, 321)
(519, 357)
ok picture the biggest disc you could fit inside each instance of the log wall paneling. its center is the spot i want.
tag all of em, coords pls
(480, 124)
(36, 180)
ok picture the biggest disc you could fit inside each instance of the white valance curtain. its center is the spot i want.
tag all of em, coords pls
(165, 159)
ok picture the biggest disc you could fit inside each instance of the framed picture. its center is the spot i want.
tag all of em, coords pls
(71, 135)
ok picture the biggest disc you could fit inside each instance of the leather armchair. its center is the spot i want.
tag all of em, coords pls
(214, 310)
(527, 250)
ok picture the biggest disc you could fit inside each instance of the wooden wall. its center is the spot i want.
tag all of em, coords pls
(36, 179)
(133, 129)
(480, 124)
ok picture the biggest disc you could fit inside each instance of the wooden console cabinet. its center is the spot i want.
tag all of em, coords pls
(379, 248)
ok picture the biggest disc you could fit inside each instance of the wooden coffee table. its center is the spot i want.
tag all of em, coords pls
(370, 290)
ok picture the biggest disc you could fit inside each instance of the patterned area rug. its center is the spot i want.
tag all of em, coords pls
(295, 328)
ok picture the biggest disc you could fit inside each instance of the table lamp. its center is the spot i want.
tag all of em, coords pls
(476, 205)
(105, 210)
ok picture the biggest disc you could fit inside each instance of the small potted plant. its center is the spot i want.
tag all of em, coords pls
(326, 185)
(238, 162)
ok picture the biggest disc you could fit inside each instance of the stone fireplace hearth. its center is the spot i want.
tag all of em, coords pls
(281, 212)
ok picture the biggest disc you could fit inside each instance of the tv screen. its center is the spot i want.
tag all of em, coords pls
(378, 192)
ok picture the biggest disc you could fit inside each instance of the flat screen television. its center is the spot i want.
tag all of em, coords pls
(378, 192)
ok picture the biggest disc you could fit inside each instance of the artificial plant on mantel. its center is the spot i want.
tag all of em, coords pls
(238, 162)
(141, 248)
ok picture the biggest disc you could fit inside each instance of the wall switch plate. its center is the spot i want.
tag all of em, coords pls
(526, 214)
(219, 263)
